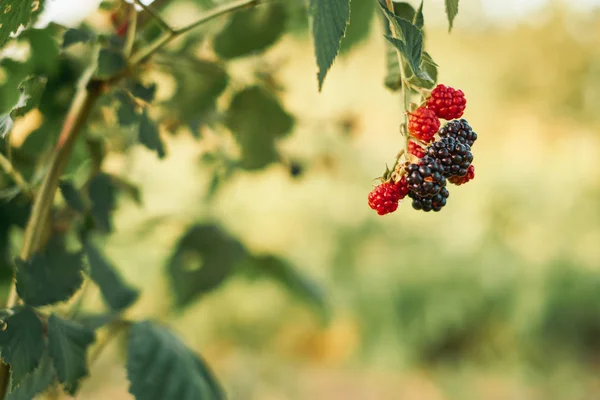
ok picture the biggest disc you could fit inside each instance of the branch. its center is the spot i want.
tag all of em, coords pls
(162, 41)
(154, 14)
(10, 170)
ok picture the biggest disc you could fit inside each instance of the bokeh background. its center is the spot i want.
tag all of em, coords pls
(497, 297)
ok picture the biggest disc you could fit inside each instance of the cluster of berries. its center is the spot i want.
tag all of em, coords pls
(436, 156)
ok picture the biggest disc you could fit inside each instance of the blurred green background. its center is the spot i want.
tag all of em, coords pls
(496, 297)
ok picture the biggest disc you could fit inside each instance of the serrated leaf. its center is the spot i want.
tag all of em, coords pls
(68, 342)
(411, 47)
(361, 18)
(429, 70)
(34, 383)
(451, 12)
(103, 197)
(117, 294)
(203, 258)
(291, 279)
(15, 14)
(329, 20)
(257, 119)
(251, 31)
(22, 343)
(419, 19)
(50, 276)
(72, 195)
(110, 63)
(73, 36)
(31, 90)
(160, 366)
(149, 136)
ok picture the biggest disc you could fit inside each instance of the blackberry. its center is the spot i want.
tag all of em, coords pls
(435, 203)
(459, 130)
(426, 178)
(454, 156)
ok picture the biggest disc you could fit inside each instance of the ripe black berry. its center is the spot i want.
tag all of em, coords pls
(426, 178)
(459, 130)
(454, 156)
(435, 203)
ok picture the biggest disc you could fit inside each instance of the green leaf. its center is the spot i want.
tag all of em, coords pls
(419, 20)
(103, 196)
(257, 119)
(203, 258)
(15, 14)
(117, 294)
(199, 85)
(361, 18)
(51, 276)
(73, 36)
(160, 366)
(428, 70)
(149, 135)
(6, 124)
(127, 112)
(251, 31)
(402, 10)
(146, 93)
(72, 195)
(31, 90)
(110, 63)
(34, 383)
(68, 342)
(393, 77)
(329, 20)
(22, 343)
(285, 274)
(451, 12)
(411, 47)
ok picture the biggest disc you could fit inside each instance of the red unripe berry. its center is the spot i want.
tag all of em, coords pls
(446, 102)
(415, 149)
(423, 124)
(385, 197)
(461, 180)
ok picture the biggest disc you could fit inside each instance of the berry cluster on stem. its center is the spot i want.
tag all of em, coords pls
(433, 156)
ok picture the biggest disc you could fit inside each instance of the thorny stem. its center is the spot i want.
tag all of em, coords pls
(86, 96)
(10, 170)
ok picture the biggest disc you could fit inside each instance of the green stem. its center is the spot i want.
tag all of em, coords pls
(404, 92)
(81, 108)
(155, 15)
(167, 37)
